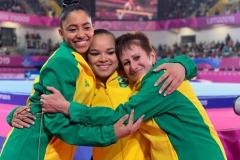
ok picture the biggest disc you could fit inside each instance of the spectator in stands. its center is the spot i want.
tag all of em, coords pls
(179, 121)
(27, 38)
(14, 38)
(49, 45)
(185, 8)
(228, 39)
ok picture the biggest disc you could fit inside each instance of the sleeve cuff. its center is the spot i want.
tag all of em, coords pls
(10, 115)
(109, 133)
(188, 64)
(77, 113)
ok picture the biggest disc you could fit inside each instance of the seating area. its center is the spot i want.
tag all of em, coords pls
(168, 9)
(223, 64)
(219, 76)
(230, 64)
(227, 47)
(224, 69)
(24, 6)
(12, 6)
(37, 7)
(174, 9)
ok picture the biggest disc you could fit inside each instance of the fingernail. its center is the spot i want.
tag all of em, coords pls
(165, 94)
(28, 126)
(155, 84)
(33, 123)
(160, 92)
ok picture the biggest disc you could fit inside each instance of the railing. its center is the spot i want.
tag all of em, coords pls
(225, 63)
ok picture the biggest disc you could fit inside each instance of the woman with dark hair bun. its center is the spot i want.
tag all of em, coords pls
(67, 71)
(65, 3)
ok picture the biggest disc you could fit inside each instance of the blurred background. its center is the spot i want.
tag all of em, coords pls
(206, 30)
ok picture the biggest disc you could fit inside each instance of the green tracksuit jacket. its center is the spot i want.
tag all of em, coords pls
(67, 71)
(177, 126)
(56, 146)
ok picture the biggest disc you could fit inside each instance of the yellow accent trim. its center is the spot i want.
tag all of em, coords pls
(154, 138)
(186, 89)
(58, 149)
(159, 143)
(6, 140)
(127, 148)
(84, 93)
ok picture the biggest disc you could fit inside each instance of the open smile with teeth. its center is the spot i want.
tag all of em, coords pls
(104, 67)
(81, 43)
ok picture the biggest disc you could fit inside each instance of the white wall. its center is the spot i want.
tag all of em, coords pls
(156, 37)
(45, 33)
(218, 33)
(215, 33)
(21, 31)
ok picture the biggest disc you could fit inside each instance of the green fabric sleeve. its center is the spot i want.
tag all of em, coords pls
(61, 74)
(146, 102)
(10, 116)
(79, 134)
(108, 116)
(188, 64)
(79, 113)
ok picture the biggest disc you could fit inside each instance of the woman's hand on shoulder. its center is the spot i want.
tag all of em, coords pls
(174, 75)
(22, 118)
(54, 102)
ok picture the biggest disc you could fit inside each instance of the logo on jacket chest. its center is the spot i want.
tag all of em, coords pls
(86, 83)
(123, 82)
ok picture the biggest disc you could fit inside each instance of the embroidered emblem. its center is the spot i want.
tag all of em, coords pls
(123, 82)
(86, 84)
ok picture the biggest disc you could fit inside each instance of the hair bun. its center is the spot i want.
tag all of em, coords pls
(66, 3)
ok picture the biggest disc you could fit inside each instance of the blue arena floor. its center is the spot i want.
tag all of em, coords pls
(201, 88)
(210, 94)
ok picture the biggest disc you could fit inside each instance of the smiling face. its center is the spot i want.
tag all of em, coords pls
(102, 57)
(77, 30)
(136, 62)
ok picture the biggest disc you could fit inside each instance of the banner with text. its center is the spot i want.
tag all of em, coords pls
(194, 22)
(28, 19)
(22, 61)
